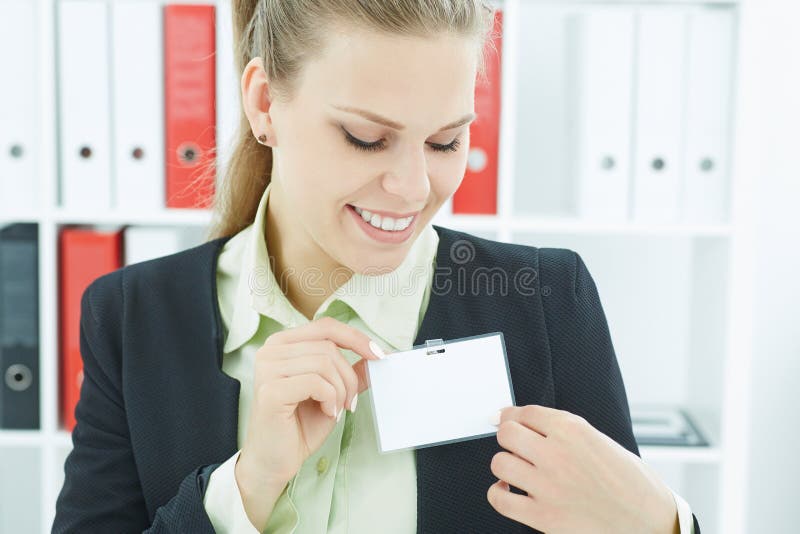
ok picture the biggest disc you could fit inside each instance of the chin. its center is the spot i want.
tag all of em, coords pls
(369, 263)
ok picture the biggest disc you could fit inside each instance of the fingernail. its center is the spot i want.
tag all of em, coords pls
(339, 416)
(495, 418)
(353, 403)
(376, 350)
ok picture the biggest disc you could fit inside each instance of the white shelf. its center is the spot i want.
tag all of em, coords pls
(689, 455)
(553, 225)
(63, 439)
(20, 438)
(19, 217)
(188, 217)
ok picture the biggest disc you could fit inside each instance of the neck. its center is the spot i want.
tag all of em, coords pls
(302, 269)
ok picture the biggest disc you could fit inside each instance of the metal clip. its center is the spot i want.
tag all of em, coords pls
(434, 346)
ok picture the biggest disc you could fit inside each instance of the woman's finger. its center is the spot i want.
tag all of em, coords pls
(347, 374)
(515, 471)
(343, 335)
(521, 440)
(514, 506)
(319, 363)
(295, 389)
(349, 377)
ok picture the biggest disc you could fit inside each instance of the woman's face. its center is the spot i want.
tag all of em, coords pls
(409, 101)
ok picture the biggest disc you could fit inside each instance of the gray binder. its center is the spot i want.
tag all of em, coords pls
(19, 327)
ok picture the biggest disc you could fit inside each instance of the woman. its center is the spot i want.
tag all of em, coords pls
(216, 379)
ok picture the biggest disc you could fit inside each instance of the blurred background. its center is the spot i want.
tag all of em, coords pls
(659, 140)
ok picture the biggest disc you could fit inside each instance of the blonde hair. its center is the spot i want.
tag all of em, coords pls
(287, 35)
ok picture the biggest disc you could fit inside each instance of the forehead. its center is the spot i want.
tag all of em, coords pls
(414, 79)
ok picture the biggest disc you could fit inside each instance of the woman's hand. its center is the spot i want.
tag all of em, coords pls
(576, 478)
(302, 382)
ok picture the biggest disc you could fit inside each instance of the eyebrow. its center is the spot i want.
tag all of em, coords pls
(374, 117)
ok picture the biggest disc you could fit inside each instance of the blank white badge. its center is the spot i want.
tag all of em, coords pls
(440, 392)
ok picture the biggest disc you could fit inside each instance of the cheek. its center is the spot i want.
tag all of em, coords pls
(312, 183)
(448, 176)
(310, 204)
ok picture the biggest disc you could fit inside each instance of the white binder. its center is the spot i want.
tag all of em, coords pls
(659, 113)
(228, 89)
(601, 72)
(138, 102)
(19, 184)
(142, 243)
(84, 105)
(705, 196)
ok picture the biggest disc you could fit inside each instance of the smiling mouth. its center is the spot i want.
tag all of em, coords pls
(384, 222)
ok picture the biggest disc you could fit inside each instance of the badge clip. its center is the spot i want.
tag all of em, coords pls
(434, 346)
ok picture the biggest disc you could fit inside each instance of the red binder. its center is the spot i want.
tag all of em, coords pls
(84, 255)
(189, 104)
(478, 190)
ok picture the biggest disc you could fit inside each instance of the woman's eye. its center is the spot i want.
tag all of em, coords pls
(450, 147)
(363, 145)
(380, 144)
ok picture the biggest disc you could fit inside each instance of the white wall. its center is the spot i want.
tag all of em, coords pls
(769, 145)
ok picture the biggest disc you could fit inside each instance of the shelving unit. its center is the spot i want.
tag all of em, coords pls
(671, 293)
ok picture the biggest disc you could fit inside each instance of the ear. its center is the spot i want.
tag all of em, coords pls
(256, 99)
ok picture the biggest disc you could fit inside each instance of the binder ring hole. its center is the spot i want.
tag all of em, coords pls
(16, 151)
(86, 152)
(188, 153)
(658, 164)
(18, 377)
(608, 163)
(477, 159)
(706, 165)
(137, 153)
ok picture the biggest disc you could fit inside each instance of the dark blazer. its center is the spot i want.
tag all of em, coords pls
(157, 414)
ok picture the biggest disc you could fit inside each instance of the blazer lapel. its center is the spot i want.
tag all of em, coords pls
(225, 417)
(452, 479)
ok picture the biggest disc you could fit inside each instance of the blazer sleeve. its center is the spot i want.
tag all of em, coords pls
(586, 375)
(101, 490)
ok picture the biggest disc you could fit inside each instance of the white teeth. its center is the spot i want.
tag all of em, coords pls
(402, 224)
(384, 223)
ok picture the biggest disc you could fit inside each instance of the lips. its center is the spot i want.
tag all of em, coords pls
(378, 234)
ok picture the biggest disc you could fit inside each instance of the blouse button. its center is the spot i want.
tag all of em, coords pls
(322, 465)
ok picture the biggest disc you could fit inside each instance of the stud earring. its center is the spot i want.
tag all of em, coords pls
(262, 139)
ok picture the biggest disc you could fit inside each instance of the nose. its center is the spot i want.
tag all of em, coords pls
(409, 178)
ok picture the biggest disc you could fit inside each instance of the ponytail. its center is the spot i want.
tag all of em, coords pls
(250, 165)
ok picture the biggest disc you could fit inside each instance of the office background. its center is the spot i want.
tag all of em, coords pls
(663, 133)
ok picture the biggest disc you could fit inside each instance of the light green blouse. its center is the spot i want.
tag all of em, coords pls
(347, 485)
